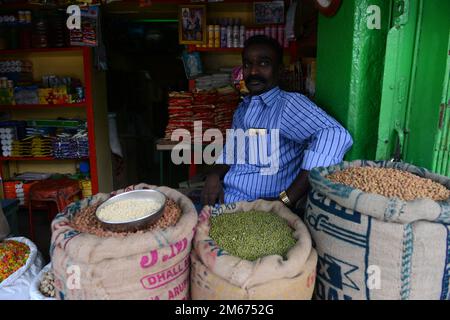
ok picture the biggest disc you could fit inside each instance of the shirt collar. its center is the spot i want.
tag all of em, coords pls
(267, 97)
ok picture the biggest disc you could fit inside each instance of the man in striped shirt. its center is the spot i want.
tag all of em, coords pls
(300, 135)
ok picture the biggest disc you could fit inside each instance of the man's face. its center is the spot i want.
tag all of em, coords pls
(261, 69)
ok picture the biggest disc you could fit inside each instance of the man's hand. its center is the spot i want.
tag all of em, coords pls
(213, 190)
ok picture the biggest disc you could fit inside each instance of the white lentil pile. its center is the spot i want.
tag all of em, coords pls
(47, 287)
(252, 235)
(391, 183)
(85, 221)
(126, 210)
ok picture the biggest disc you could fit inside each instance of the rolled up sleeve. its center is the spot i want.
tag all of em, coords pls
(326, 140)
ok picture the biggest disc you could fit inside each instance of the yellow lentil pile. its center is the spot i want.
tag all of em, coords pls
(391, 183)
(86, 222)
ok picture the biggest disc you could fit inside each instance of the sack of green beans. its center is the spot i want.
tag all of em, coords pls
(381, 230)
(252, 251)
(153, 264)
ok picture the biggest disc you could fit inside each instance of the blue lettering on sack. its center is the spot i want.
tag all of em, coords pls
(332, 207)
(321, 223)
(323, 292)
(336, 272)
(444, 216)
(445, 280)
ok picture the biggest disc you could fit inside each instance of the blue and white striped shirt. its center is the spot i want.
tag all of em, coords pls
(308, 138)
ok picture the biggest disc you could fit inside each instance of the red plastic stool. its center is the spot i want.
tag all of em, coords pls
(59, 192)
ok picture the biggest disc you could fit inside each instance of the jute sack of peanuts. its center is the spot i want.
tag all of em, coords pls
(372, 247)
(216, 275)
(150, 265)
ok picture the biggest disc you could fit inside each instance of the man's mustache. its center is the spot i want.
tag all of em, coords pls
(255, 78)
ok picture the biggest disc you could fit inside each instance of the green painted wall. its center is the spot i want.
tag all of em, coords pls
(350, 64)
(427, 90)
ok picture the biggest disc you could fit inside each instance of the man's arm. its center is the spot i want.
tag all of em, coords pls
(298, 188)
(213, 189)
(303, 121)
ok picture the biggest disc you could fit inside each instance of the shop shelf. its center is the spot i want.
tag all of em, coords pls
(42, 106)
(37, 159)
(38, 50)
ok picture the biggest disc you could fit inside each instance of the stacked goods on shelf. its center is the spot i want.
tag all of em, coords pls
(230, 33)
(63, 139)
(86, 188)
(13, 71)
(205, 114)
(180, 112)
(67, 146)
(18, 190)
(56, 90)
(40, 32)
(7, 136)
(59, 37)
(227, 101)
(17, 70)
(33, 147)
(213, 81)
(214, 108)
(17, 86)
(203, 110)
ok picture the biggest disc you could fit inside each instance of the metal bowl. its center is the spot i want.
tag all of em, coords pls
(137, 224)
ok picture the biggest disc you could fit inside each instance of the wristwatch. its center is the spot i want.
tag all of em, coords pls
(285, 199)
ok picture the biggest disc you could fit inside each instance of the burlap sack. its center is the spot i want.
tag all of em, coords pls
(17, 285)
(217, 275)
(371, 247)
(153, 265)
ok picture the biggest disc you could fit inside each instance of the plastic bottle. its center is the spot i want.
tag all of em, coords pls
(247, 34)
(210, 36)
(236, 34)
(286, 41)
(223, 34)
(216, 36)
(274, 31)
(281, 35)
(241, 36)
(229, 34)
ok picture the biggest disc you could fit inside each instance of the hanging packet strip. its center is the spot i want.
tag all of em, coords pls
(89, 33)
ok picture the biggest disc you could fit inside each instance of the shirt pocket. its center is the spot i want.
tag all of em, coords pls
(264, 151)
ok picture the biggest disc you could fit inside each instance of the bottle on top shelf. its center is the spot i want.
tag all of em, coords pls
(217, 39)
(236, 33)
(231, 33)
(223, 33)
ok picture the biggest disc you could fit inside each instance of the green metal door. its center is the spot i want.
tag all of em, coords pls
(414, 116)
(398, 70)
(441, 152)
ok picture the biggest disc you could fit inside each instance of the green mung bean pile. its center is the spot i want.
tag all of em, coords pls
(252, 235)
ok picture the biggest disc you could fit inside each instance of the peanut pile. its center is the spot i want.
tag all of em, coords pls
(86, 221)
(391, 183)
(47, 286)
